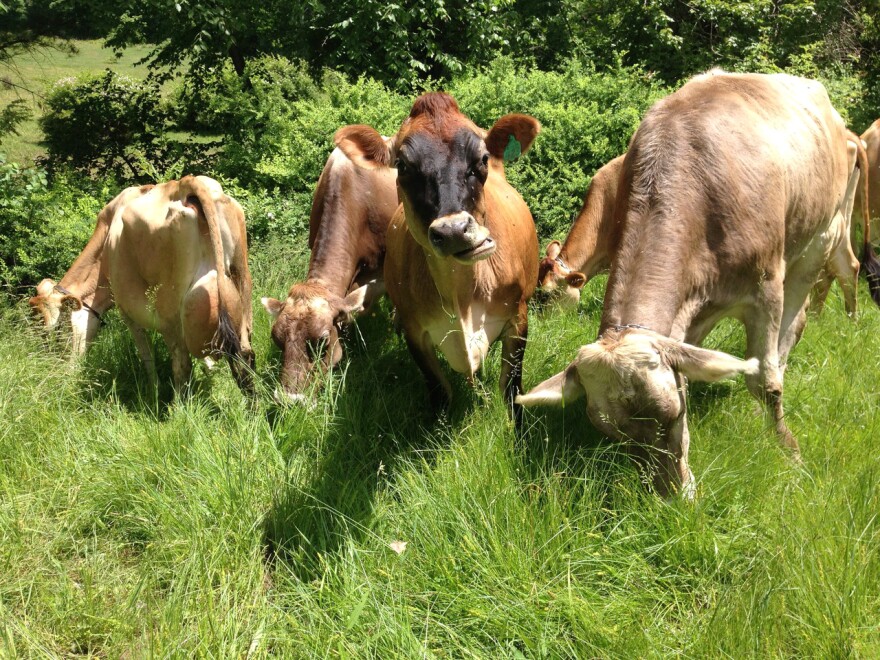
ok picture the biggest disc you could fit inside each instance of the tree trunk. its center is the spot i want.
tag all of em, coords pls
(237, 59)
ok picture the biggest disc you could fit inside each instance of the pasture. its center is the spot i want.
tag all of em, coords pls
(136, 524)
(31, 73)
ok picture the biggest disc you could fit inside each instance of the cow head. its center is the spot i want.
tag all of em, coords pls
(49, 303)
(555, 276)
(633, 385)
(306, 329)
(443, 160)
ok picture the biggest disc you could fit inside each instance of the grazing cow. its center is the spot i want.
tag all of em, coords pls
(350, 213)
(462, 256)
(590, 243)
(871, 141)
(841, 263)
(726, 193)
(172, 258)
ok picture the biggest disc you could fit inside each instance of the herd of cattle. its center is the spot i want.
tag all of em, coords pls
(734, 199)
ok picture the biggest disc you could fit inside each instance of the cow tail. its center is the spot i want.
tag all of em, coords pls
(226, 339)
(870, 263)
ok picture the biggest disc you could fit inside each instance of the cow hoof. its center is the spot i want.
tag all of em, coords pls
(689, 490)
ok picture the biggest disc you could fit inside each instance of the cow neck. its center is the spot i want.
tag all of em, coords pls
(580, 245)
(649, 283)
(86, 278)
(455, 282)
(334, 263)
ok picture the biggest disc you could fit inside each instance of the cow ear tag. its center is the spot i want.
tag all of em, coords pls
(513, 150)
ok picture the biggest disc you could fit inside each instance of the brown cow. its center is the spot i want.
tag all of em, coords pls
(462, 256)
(590, 242)
(350, 213)
(727, 191)
(172, 258)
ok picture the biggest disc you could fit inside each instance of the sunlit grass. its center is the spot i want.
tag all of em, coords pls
(133, 522)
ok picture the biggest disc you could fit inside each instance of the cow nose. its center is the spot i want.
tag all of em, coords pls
(453, 233)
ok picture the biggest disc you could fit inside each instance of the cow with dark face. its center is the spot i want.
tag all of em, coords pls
(462, 256)
(351, 209)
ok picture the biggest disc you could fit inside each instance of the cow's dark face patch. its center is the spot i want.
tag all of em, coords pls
(441, 184)
(442, 178)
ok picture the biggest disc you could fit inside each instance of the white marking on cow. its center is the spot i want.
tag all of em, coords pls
(464, 340)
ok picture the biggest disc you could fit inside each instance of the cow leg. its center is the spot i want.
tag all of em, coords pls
(513, 349)
(143, 348)
(763, 340)
(181, 363)
(84, 327)
(820, 292)
(244, 364)
(248, 358)
(846, 269)
(425, 356)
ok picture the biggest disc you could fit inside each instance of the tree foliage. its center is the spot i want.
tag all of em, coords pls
(405, 43)
(102, 124)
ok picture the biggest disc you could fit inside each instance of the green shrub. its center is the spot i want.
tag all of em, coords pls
(106, 124)
(280, 129)
(587, 120)
(44, 227)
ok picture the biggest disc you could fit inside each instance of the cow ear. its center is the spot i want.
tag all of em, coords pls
(702, 364)
(272, 306)
(553, 249)
(556, 391)
(511, 136)
(72, 302)
(364, 146)
(576, 279)
(352, 304)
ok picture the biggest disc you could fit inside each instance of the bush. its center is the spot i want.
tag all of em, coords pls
(279, 132)
(44, 227)
(587, 119)
(106, 124)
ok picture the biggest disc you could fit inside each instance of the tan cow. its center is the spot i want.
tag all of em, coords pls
(351, 209)
(841, 263)
(871, 141)
(590, 242)
(172, 258)
(462, 256)
(727, 190)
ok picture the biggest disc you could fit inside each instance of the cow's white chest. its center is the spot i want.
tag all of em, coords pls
(464, 339)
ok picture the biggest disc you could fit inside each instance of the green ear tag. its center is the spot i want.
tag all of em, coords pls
(513, 149)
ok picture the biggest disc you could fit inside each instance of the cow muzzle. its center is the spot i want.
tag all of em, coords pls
(460, 237)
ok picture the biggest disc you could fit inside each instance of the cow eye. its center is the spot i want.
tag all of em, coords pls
(401, 166)
(485, 159)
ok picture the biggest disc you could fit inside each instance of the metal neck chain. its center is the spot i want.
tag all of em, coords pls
(630, 326)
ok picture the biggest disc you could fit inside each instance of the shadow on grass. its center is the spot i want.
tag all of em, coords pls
(111, 369)
(380, 416)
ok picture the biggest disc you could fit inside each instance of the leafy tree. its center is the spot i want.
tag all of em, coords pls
(99, 124)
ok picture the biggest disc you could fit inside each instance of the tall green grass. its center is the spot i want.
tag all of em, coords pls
(136, 523)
